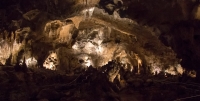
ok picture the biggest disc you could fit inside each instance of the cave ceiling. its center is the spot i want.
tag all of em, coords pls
(66, 34)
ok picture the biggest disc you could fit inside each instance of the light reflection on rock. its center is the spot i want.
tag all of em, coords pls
(8, 49)
(52, 61)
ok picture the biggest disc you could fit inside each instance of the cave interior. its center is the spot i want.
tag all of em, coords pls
(99, 50)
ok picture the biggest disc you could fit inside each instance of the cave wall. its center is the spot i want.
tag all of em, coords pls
(133, 25)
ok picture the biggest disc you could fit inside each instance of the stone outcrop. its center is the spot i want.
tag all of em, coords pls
(94, 32)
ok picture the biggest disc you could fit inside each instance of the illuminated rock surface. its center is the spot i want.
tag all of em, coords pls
(106, 50)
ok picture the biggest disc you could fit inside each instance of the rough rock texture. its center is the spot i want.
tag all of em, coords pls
(177, 23)
(46, 26)
(47, 85)
(141, 36)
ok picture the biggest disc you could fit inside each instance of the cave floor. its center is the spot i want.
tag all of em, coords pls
(48, 85)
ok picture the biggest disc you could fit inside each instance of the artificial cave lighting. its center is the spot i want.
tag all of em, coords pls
(95, 46)
(87, 62)
(108, 50)
(88, 12)
(51, 61)
(4, 51)
(31, 62)
(180, 69)
(90, 46)
(8, 49)
(171, 70)
(156, 70)
(75, 46)
(96, 43)
(175, 70)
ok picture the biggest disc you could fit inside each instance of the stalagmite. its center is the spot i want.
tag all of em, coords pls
(139, 62)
